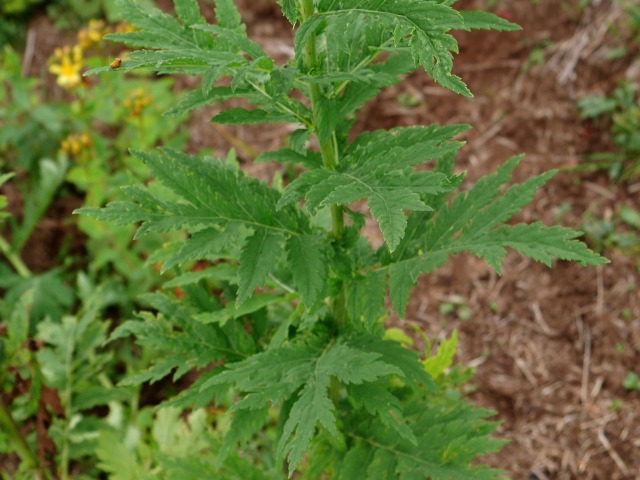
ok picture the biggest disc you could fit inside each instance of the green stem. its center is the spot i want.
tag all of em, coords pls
(14, 259)
(328, 148)
(23, 450)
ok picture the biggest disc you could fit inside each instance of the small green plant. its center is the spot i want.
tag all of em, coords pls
(282, 301)
(631, 381)
(621, 231)
(620, 112)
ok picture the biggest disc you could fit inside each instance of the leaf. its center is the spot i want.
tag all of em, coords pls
(198, 98)
(378, 166)
(449, 435)
(425, 24)
(116, 458)
(259, 256)
(313, 406)
(236, 310)
(290, 10)
(227, 15)
(378, 401)
(309, 158)
(388, 210)
(240, 116)
(307, 261)
(217, 203)
(437, 364)
(37, 201)
(478, 20)
(158, 30)
(474, 222)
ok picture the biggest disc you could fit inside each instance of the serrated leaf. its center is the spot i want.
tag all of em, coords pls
(380, 402)
(199, 98)
(290, 10)
(479, 20)
(240, 116)
(388, 210)
(309, 158)
(227, 14)
(474, 222)
(308, 265)
(425, 24)
(236, 310)
(208, 242)
(259, 256)
(313, 406)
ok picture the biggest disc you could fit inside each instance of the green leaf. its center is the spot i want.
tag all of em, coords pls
(425, 24)
(388, 210)
(309, 158)
(478, 20)
(237, 310)
(378, 166)
(199, 98)
(290, 10)
(240, 116)
(474, 222)
(188, 12)
(378, 401)
(212, 193)
(313, 406)
(227, 15)
(437, 364)
(116, 458)
(160, 30)
(307, 261)
(259, 256)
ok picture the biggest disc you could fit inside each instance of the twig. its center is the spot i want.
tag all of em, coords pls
(586, 365)
(544, 326)
(28, 51)
(612, 453)
(600, 296)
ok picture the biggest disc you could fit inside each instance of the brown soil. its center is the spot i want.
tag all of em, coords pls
(551, 347)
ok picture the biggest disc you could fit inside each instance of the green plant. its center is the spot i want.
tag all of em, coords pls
(621, 113)
(619, 232)
(57, 396)
(282, 302)
(631, 381)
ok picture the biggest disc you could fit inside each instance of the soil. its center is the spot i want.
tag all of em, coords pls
(551, 347)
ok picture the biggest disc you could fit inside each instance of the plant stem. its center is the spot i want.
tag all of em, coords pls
(23, 450)
(328, 148)
(14, 259)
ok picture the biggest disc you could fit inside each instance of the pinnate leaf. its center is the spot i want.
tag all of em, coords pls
(259, 256)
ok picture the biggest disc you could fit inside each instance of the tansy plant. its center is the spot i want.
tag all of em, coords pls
(284, 315)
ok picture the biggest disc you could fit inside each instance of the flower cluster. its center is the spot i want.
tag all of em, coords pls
(137, 101)
(76, 145)
(92, 34)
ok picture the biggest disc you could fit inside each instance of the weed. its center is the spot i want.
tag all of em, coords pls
(287, 310)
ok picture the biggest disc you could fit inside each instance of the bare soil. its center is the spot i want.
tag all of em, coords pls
(551, 347)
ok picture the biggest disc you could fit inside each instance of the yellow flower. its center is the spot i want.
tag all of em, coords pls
(66, 63)
(137, 101)
(76, 146)
(124, 27)
(92, 34)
